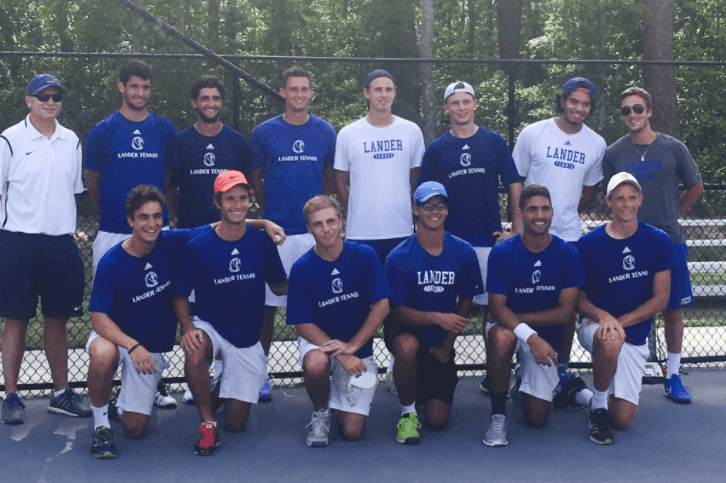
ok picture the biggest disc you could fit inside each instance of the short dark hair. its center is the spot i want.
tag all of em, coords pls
(295, 71)
(320, 202)
(638, 91)
(142, 194)
(560, 98)
(207, 82)
(136, 68)
(530, 192)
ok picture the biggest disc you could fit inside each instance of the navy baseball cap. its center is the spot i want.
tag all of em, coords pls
(571, 86)
(41, 81)
(376, 74)
(428, 190)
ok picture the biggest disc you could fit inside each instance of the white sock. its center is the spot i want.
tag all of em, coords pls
(100, 416)
(583, 397)
(599, 399)
(409, 409)
(673, 364)
(58, 393)
(391, 361)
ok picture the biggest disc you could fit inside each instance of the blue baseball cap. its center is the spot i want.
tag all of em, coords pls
(428, 190)
(41, 81)
(376, 74)
(571, 86)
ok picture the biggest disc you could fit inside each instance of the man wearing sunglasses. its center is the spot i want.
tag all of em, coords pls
(40, 171)
(660, 162)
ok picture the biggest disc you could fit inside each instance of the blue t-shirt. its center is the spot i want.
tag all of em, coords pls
(228, 279)
(137, 293)
(470, 169)
(201, 159)
(293, 158)
(337, 296)
(128, 154)
(620, 273)
(532, 282)
(433, 283)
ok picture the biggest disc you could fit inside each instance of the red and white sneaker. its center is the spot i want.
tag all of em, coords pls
(208, 440)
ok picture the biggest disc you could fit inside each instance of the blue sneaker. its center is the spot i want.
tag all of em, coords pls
(69, 403)
(103, 446)
(13, 409)
(674, 389)
(265, 391)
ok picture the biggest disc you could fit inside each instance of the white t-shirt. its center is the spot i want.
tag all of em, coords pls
(563, 163)
(379, 161)
(38, 180)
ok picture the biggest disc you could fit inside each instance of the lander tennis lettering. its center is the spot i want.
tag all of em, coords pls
(138, 155)
(232, 278)
(206, 171)
(297, 158)
(437, 277)
(459, 172)
(537, 288)
(566, 155)
(626, 276)
(151, 293)
(383, 146)
(339, 298)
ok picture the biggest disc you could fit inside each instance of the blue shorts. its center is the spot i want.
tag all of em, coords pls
(681, 290)
(32, 266)
(382, 247)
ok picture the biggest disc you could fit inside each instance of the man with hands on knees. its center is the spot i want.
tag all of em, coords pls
(533, 283)
(628, 266)
(338, 299)
(434, 277)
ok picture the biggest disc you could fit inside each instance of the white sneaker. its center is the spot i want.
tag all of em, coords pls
(319, 429)
(163, 399)
(188, 398)
(497, 433)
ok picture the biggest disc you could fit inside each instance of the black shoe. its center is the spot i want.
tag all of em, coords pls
(103, 446)
(600, 431)
(566, 397)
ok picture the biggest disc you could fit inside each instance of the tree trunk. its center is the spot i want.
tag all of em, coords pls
(426, 51)
(660, 80)
(471, 4)
(509, 22)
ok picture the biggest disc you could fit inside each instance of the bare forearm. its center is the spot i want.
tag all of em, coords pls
(588, 194)
(515, 192)
(409, 316)
(93, 184)
(378, 312)
(312, 333)
(689, 197)
(341, 188)
(107, 328)
(182, 310)
(657, 303)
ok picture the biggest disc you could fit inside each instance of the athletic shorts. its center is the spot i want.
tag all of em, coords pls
(628, 379)
(294, 247)
(537, 380)
(137, 390)
(482, 254)
(382, 247)
(104, 242)
(245, 368)
(339, 383)
(434, 379)
(681, 290)
(34, 266)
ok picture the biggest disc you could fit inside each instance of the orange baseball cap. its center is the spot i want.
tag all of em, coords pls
(228, 180)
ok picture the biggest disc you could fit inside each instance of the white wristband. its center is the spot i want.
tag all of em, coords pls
(523, 331)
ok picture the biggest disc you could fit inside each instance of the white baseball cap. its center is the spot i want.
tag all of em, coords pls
(458, 86)
(621, 178)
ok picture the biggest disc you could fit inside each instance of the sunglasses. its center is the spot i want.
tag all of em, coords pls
(434, 206)
(638, 109)
(57, 97)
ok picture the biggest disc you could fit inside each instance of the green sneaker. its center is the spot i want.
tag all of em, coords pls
(408, 427)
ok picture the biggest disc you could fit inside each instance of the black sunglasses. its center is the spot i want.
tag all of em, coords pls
(57, 97)
(638, 109)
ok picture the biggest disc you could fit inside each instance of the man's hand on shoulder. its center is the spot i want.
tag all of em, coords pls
(502, 235)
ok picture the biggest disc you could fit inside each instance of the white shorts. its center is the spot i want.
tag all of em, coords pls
(137, 390)
(339, 384)
(482, 253)
(294, 247)
(628, 379)
(104, 242)
(537, 380)
(245, 369)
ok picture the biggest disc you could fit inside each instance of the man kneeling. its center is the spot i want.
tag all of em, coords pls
(337, 300)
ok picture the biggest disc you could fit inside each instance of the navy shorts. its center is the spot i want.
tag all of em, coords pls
(681, 290)
(33, 266)
(382, 247)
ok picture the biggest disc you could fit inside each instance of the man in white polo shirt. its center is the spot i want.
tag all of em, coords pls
(40, 171)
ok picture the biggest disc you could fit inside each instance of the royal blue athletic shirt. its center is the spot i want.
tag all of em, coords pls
(470, 169)
(620, 273)
(228, 279)
(293, 158)
(337, 296)
(531, 281)
(433, 283)
(128, 154)
(137, 292)
(201, 159)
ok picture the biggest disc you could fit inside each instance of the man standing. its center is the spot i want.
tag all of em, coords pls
(659, 162)
(379, 156)
(533, 282)
(227, 268)
(628, 266)
(338, 300)
(40, 171)
(434, 277)
(294, 152)
(130, 147)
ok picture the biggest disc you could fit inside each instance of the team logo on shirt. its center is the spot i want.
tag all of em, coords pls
(298, 146)
(536, 276)
(209, 159)
(234, 265)
(151, 279)
(337, 286)
(629, 262)
(137, 143)
(465, 160)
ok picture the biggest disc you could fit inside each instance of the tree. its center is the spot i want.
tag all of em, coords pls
(426, 51)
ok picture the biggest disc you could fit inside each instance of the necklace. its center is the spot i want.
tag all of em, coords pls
(642, 156)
